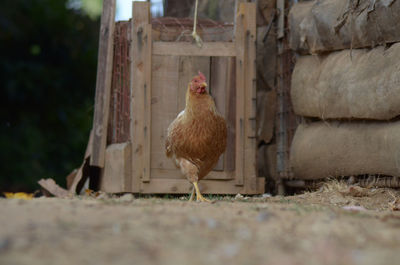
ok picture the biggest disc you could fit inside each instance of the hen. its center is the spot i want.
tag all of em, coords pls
(197, 136)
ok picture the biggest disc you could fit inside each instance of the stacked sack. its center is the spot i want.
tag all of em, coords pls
(348, 78)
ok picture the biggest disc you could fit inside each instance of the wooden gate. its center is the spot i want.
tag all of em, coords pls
(160, 73)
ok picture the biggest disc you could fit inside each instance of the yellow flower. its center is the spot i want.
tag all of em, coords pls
(18, 195)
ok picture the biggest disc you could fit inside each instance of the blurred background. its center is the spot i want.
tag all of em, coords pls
(48, 63)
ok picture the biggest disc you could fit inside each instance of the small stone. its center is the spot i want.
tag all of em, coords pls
(354, 208)
(243, 233)
(266, 195)
(194, 220)
(239, 196)
(5, 244)
(116, 228)
(103, 196)
(263, 216)
(230, 250)
(351, 180)
(212, 223)
(128, 197)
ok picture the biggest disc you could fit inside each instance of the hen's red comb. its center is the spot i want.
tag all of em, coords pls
(202, 76)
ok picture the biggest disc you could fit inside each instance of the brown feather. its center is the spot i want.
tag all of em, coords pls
(199, 134)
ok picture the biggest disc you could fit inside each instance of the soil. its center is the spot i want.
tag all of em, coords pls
(336, 225)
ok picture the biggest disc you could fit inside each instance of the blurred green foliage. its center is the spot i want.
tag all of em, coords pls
(48, 57)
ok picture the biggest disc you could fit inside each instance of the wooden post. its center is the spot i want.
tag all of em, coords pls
(141, 93)
(245, 39)
(117, 169)
(250, 141)
(103, 84)
(240, 32)
(147, 104)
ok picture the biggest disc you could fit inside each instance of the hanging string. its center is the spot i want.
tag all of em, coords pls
(196, 37)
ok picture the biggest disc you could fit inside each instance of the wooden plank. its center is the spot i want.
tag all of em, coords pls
(218, 86)
(176, 173)
(103, 83)
(240, 38)
(191, 49)
(165, 79)
(250, 141)
(231, 116)
(117, 169)
(182, 186)
(140, 18)
(147, 104)
(236, 10)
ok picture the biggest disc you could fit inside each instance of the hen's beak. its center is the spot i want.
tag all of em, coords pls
(204, 84)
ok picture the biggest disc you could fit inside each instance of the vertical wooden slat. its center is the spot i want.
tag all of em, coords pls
(165, 80)
(147, 104)
(103, 84)
(240, 37)
(218, 85)
(246, 95)
(230, 98)
(140, 18)
(250, 141)
(117, 169)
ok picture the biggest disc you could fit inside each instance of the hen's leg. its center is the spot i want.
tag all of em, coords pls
(192, 195)
(190, 170)
(199, 197)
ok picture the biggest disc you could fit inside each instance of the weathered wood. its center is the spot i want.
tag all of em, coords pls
(176, 173)
(230, 103)
(53, 188)
(191, 49)
(117, 169)
(140, 18)
(250, 141)
(73, 181)
(158, 95)
(164, 106)
(147, 104)
(88, 151)
(181, 186)
(103, 83)
(218, 86)
(240, 38)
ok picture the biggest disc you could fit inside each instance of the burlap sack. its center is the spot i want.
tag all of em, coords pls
(321, 149)
(327, 25)
(362, 84)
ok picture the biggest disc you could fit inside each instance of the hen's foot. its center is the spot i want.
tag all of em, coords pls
(199, 197)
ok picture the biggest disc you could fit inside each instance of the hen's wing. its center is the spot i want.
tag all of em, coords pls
(171, 129)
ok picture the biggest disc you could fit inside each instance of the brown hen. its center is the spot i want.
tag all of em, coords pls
(197, 136)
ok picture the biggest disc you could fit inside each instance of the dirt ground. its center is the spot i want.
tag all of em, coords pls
(335, 225)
